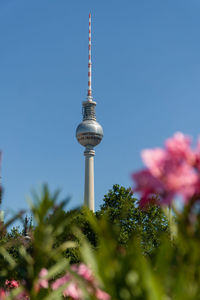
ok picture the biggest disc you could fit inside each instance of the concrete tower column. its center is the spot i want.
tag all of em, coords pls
(89, 178)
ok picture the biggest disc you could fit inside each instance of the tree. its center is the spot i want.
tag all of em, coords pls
(122, 209)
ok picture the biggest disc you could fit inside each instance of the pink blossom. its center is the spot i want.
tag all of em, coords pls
(73, 291)
(43, 272)
(12, 284)
(179, 146)
(197, 155)
(182, 180)
(146, 182)
(154, 160)
(101, 295)
(149, 186)
(42, 282)
(60, 281)
(170, 172)
(83, 271)
(22, 296)
(2, 294)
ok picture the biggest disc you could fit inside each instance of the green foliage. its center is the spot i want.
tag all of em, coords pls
(76, 219)
(41, 251)
(171, 273)
(121, 270)
(114, 243)
(121, 208)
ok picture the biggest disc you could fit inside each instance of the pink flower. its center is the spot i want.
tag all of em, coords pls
(149, 186)
(83, 271)
(60, 281)
(146, 182)
(73, 291)
(43, 272)
(182, 180)
(12, 284)
(179, 146)
(170, 172)
(101, 295)
(2, 294)
(197, 155)
(154, 160)
(22, 296)
(42, 282)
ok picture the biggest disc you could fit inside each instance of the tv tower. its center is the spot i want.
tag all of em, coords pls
(89, 133)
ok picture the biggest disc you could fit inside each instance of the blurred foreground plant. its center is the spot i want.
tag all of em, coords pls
(118, 263)
(41, 262)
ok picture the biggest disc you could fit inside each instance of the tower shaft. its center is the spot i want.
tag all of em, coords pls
(89, 179)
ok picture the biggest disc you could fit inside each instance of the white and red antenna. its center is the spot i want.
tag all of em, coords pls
(89, 95)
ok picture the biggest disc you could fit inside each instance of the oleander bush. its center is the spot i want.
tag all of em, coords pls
(129, 249)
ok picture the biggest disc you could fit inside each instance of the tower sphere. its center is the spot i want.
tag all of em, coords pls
(89, 133)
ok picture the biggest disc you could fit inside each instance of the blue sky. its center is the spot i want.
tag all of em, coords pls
(146, 74)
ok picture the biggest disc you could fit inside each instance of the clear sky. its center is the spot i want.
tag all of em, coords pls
(146, 81)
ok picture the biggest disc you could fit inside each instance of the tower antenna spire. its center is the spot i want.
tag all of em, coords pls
(89, 95)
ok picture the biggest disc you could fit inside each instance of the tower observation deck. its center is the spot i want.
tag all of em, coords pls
(89, 133)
